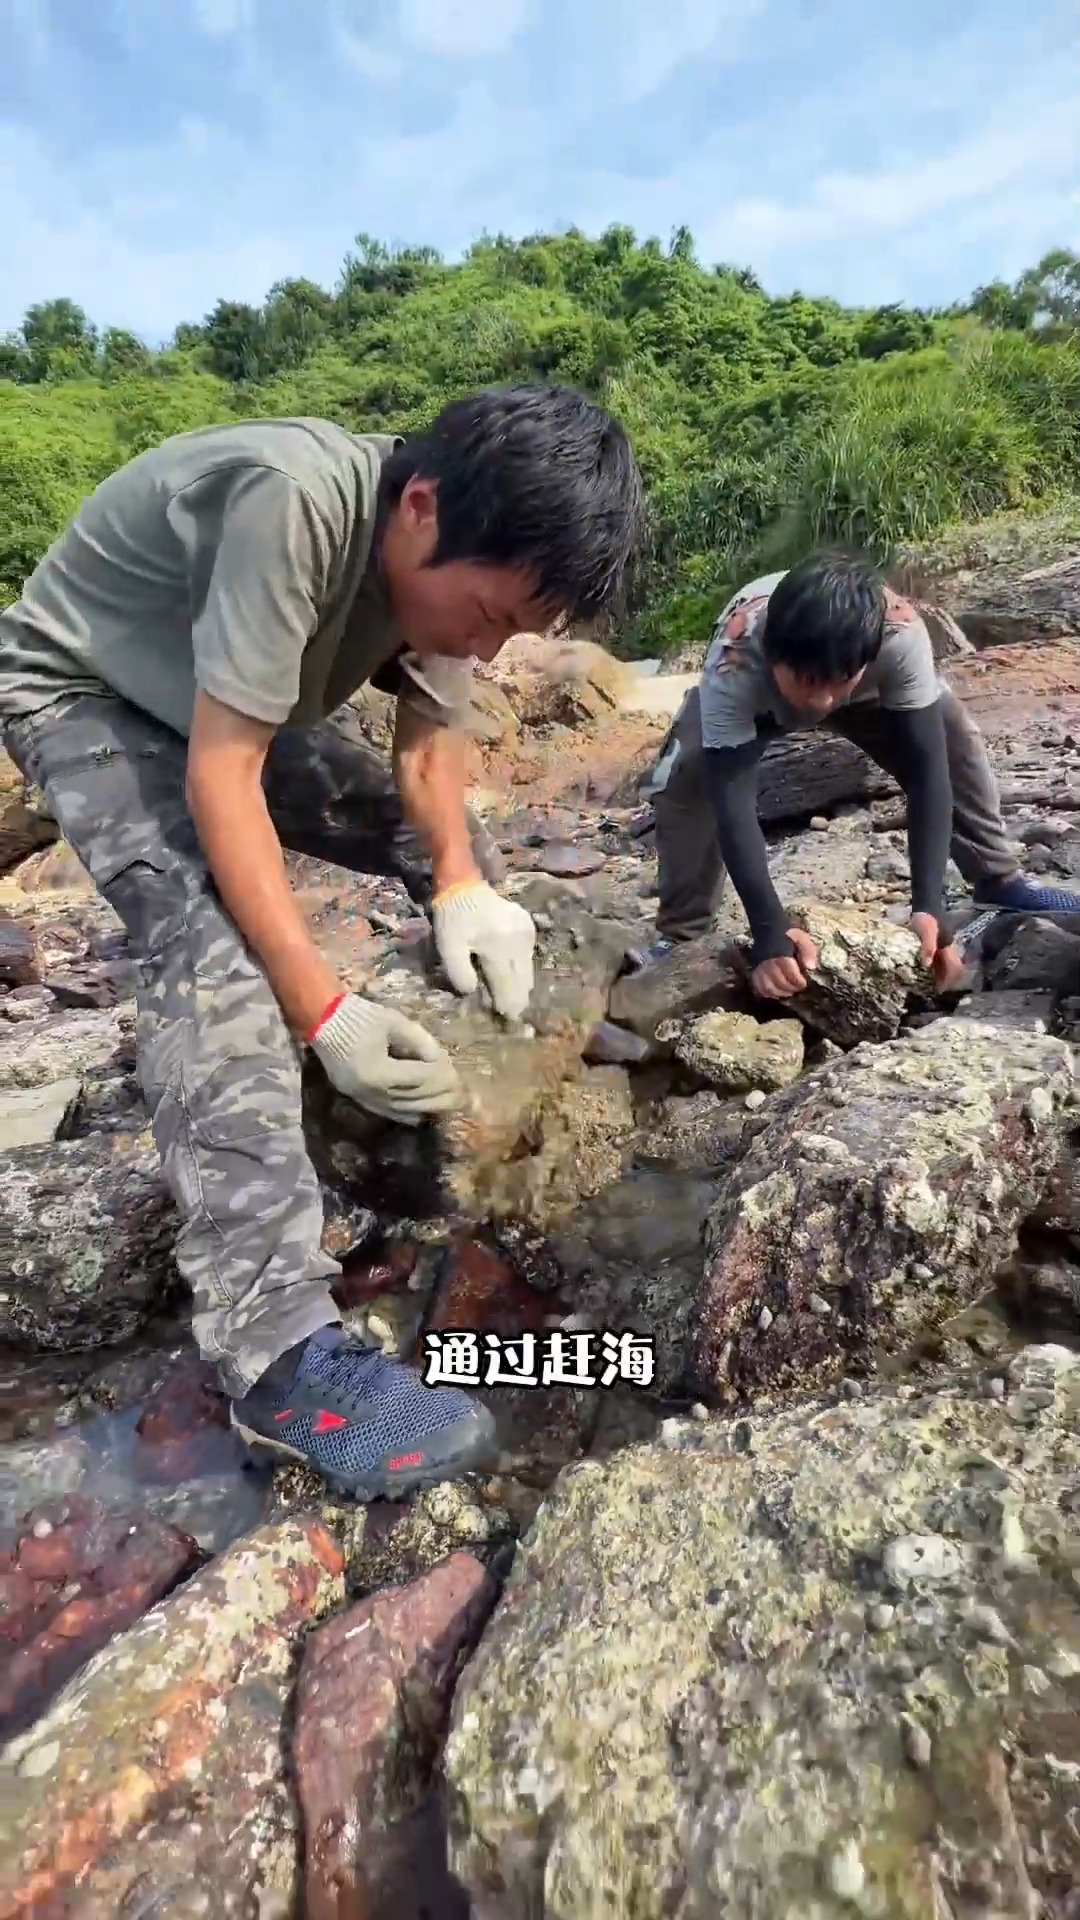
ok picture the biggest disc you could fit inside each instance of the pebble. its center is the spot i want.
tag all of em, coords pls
(918, 1746)
(765, 1319)
(1035, 1681)
(996, 1388)
(699, 1412)
(881, 1616)
(851, 1389)
(819, 1306)
(1039, 1106)
(846, 1873)
(819, 824)
(754, 1101)
(921, 1556)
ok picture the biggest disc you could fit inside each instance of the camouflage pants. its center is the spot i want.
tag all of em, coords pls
(218, 1067)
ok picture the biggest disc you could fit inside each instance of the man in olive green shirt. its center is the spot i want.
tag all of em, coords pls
(167, 679)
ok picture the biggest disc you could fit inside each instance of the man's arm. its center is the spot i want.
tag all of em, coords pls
(916, 737)
(733, 777)
(226, 752)
(429, 769)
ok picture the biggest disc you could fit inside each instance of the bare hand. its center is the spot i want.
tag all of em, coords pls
(945, 963)
(779, 978)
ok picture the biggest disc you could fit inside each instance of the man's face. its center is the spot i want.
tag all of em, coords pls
(813, 696)
(457, 609)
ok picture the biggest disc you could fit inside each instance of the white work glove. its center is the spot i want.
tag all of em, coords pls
(473, 922)
(384, 1062)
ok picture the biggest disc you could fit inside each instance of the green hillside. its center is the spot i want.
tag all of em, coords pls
(762, 425)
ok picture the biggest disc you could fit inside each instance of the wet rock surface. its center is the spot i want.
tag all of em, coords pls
(736, 1054)
(86, 1241)
(866, 972)
(157, 1776)
(819, 1663)
(74, 1575)
(874, 1201)
(372, 1703)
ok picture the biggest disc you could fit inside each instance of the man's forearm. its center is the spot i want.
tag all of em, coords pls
(245, 858)
(429, 768)
(226, 755)
(733, 785)
(921, 758)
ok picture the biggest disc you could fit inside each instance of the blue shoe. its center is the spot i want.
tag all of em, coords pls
(1023, 895)
(638, 958)
(367, 1424)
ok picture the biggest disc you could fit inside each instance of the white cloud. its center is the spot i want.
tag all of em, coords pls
(220, 19)
(370, 62)
(647, 41)
(463, 29)
(839, 187)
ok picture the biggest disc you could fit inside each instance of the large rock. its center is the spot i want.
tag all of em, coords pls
(696, 977)
(372, 1705)
(525, 1139)
(25, 822)
(822, 1667)
(86, 1241)
(53, 1046)
(32, 1116)
(809, 773)
(88, 1228)
(156, 1783)
(735, 1053)
(1034, 955)
(1038, 604)
(867, 969)
(876, 1200)
(19, 966)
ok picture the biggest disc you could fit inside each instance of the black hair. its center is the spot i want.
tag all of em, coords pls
(826, 618)
(533, 476)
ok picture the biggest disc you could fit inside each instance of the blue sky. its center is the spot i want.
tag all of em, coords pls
(155, 154)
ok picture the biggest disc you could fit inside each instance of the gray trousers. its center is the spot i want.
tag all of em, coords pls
(692, 875)
(217, 1065)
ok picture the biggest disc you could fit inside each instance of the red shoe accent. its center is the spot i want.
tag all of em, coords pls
(287, 1415)
(405, 1460)
(325, 1422)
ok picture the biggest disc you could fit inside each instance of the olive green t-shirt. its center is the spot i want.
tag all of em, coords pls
(236, 559)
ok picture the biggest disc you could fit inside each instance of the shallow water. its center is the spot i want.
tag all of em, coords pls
(202, 1482)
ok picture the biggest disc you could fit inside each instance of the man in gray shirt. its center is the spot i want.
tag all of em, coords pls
(166, 679)
(825, 643)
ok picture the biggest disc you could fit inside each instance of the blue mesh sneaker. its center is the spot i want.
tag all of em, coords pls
(638, 958)
(367, 1424)
(1024, 895)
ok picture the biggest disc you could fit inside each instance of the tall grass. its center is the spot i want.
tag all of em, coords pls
(895, 452)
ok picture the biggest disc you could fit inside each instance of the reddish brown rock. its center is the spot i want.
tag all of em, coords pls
(24, 821)
(372, 1707)
(76, 1575)
(478, 1290)
(876, 1201)
(156, 1783)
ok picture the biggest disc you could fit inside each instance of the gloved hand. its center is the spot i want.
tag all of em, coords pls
(384, 1062)
(473, 922)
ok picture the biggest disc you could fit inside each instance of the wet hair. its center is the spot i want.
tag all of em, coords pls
(826, 619)
(536, 477)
